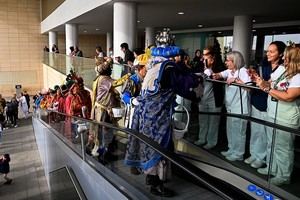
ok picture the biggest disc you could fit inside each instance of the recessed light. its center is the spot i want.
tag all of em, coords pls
(97, 29)
(138, 21)
(85, 31)
(253, 30)
(180, 13)
(220, 32)
(200, 25)
(253, 20)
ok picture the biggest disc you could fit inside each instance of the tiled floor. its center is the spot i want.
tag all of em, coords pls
(26, 170)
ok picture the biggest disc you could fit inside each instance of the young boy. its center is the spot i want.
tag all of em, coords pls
(4, 167)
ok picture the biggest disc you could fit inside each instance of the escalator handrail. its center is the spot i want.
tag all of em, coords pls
(183, 164)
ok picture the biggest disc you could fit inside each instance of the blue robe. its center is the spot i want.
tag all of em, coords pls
(153, 115)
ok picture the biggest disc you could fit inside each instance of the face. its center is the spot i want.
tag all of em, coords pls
(229, 63)
(273, 54)
(208, 59)
(198, 53)
(143, 71)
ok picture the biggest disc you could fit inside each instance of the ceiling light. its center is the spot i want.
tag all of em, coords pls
(138, 21)
(253, 20)
(253, 30)
(180, 13)
(97, 29)
(219, 32)
(85, 31)
(200, 25)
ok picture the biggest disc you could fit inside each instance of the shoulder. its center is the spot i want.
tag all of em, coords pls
(294, 81)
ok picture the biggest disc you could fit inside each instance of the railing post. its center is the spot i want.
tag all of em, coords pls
(82, 146)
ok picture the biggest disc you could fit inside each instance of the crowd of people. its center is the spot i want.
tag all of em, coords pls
(149, 89)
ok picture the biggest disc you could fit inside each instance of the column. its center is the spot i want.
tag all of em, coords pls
(242, 36)
(125, 18)
(149, 39)
(52, 39)
(71, 36)
(108, 43)
(71, 40)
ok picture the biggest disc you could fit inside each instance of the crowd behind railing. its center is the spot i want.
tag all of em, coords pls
(150, 85)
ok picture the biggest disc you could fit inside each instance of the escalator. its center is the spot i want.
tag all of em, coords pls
(188, 180)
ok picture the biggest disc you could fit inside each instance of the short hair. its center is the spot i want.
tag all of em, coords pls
(237, 59)
(124, 45)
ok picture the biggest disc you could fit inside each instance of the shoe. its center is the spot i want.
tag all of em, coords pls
(161, 191)
(249, 160)
(233, 158)
(8, 182)
(263, 171)
(226, 153)
(208, 146)
(199, 143)
(279, 181)
(257, 164)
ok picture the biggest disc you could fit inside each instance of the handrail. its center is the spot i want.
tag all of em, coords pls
(183, 164)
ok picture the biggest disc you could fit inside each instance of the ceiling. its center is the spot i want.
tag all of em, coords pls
(209, 13)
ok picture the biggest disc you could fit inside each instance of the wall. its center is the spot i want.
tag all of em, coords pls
(21, 46)
(52, 77)
(87, 44)
(48, 6)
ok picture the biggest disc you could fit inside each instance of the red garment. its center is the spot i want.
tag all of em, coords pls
(76, 105)
(68, 104)
(86, 101)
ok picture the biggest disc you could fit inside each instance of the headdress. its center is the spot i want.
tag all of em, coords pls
(141, 60)
(103, 65)
(165, 45)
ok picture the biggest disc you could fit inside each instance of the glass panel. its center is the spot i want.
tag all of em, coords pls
(109, 149)
(84, 67)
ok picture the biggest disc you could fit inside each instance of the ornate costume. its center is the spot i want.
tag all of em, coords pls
(153, 114)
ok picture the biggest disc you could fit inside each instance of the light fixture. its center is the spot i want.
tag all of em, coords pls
(138, 21)
(180, 13)
(253, 30)
(85, 31)
(97, 29)
(253, 20)
(200, 25)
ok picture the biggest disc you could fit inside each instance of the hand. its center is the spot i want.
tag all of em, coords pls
(216, 76)
(230, 80)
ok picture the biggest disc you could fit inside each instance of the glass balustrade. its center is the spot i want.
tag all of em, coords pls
(277, 144)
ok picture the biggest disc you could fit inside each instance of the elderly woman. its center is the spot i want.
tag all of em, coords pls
(105, 97)
(283, 109)
(237, 102)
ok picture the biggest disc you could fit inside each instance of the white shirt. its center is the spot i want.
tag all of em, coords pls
(233, 98)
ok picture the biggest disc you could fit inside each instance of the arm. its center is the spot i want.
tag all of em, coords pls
(289, 95)
(183, 84)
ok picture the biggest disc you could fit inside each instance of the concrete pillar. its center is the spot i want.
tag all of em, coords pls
(150, 37)
(52, 39)
(71, 40)
(125, 19)
(109, 43)
(71, 36)
(242, 36)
